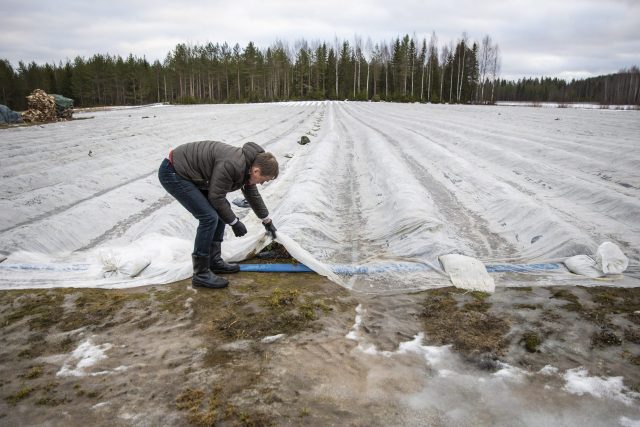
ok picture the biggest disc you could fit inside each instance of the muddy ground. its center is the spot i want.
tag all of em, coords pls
(179, 356)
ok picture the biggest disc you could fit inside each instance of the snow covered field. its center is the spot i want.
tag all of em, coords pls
(381, 186)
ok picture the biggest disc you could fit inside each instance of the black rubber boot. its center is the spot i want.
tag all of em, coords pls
(217, 264)
(203, 277)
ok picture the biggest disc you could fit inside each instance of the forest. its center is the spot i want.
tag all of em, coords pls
(406, 69)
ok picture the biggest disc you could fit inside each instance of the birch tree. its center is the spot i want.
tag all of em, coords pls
(368, 57)
(443, 60)
(432, 61)
(495, 69)
(451, 69)
(421, 61)
(358, 57)
(386, 57)
(336, 44)
(461, 67)
(483, 65)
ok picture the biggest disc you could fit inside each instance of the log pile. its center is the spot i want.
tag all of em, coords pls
(43, 108)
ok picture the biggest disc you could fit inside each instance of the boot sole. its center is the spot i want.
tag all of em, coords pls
(208, 285)
(225, 271)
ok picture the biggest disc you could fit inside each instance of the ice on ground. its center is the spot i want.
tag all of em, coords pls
(627, 422)
(272, 338)
(354, 333)
(83, 357)
(579, 382)
(510, 373)
(383, 188)
(461, 392)
(548, 370)
(100, 405)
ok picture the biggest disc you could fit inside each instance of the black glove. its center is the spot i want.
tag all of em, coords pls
(271, 229)
(239, 229)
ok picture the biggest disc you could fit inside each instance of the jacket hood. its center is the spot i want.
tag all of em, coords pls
(250, 150)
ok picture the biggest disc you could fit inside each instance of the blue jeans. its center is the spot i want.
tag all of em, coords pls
(210, 227)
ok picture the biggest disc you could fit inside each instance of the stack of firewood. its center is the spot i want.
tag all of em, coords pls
(65, 113)
(42, 107)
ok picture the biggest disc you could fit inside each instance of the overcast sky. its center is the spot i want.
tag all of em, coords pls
(558, 38)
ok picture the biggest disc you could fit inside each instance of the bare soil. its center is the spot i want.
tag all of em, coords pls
(184, 356)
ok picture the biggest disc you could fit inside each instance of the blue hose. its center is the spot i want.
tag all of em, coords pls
(276, 268)
(344, 269)
(350, 270)
(522, 268)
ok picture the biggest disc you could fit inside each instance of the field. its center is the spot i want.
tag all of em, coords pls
(380, 187)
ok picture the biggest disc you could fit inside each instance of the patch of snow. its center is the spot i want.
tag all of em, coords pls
(83, 357)
(510, 373)
(354, 333)
(628, 422)
(579, 382)
(121, 368)
(129, 417)
(272, 338)
(100, 405)
(434, 355)
(240, 345)
(548, 370)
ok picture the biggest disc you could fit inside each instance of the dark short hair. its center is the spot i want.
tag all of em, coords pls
(268, 164)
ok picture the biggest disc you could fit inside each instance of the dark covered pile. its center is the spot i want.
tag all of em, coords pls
(8, 116)
(64, 106)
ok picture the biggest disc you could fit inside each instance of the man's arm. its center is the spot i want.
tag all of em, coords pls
(254, 198)
(221, 183)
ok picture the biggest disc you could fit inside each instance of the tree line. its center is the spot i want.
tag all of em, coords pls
(621, 88)
(406, 69)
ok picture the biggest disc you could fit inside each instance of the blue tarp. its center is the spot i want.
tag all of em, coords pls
(7, 115)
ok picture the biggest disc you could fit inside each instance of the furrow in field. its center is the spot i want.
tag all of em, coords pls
(74, 227)
(593, 154)
(516, 217)
(556, 184)
(467, 230)
(116, 135)
(60, 206)
(45, 192)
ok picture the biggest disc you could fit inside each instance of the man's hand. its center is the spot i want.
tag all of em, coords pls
(239, 229)
(271, 229)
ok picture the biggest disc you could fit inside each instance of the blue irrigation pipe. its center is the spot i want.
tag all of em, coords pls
(522, 268)
(276, 268)
(345, 269)
(350, 270)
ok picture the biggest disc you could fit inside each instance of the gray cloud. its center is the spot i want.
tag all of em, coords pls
(563, 38)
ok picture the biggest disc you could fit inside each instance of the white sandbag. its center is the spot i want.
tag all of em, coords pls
(583, 265)
(122, 262)
(610, 259)
(467, 273)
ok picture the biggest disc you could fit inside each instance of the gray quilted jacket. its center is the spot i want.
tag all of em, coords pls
(220, 168)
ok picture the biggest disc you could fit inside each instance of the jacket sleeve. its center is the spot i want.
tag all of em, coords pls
(255, 201)
(221, 183)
